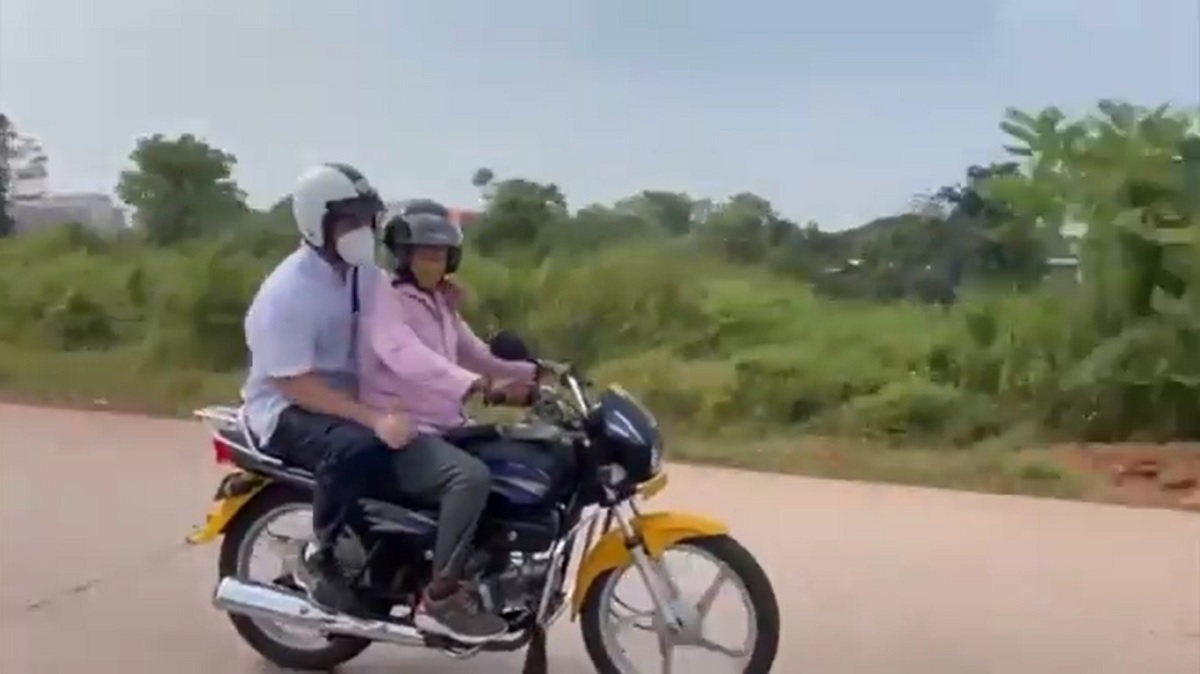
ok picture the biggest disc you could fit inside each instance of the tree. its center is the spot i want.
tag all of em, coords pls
(518, 212)
(483, 177)
(674, 212)
(741, 229)
(807, 252)
(484, 180)
(596, 226)
(986, 239)
(7, 225)
(264, 233)
(181, 188)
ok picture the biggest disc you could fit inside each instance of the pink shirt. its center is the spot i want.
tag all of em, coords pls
(417, 356)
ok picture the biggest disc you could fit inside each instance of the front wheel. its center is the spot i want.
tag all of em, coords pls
(289, 648)
(604, 615)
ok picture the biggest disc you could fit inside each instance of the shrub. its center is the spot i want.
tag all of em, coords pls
(77, 322)
(916, 409)
(707, 344)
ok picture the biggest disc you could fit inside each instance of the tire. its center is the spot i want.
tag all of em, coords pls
(740, 562)
(340, 650)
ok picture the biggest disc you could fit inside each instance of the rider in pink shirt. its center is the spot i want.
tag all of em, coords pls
(418, 357)
(421, 357)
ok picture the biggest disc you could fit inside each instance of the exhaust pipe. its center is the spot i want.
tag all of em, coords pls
(256, 600)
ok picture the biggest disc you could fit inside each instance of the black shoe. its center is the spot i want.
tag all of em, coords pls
(323, 579)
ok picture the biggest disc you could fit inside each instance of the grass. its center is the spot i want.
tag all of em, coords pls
(995, 470)
(121, 380)
(124, 380)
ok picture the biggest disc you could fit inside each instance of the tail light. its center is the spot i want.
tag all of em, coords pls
(222, 453)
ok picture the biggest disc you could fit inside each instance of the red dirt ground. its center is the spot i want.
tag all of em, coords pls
(1162, 475)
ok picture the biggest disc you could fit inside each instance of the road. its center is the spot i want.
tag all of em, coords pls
(94, 576)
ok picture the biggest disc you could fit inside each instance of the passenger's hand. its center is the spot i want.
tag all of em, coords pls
(393, 429)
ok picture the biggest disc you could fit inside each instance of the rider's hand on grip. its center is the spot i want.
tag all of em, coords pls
(480, 386)
(393, 429)
(494, 398)
(512, 393)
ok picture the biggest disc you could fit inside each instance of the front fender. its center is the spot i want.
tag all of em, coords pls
(659, 531)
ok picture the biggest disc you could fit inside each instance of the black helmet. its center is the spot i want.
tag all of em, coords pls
(422, 222)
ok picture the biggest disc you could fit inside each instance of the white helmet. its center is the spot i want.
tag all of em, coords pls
(329, 191)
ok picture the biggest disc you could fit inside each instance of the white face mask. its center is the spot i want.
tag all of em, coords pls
(357, 247)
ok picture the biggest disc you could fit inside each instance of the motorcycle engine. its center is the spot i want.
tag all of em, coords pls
(518, 586)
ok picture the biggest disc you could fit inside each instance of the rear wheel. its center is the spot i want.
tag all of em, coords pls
(604, 615)
(290, 648)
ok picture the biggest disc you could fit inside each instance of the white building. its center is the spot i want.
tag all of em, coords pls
(33, 206)
(94, 211)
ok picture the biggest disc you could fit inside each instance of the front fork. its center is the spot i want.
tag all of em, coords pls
(557, 581)
(672, 614)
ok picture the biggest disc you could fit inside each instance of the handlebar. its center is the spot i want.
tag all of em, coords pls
(568, 377)
(560, 395)
(567, 394)
(558, 369)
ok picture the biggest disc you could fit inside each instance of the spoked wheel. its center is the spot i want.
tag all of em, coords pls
(608, 618)
(280, 522)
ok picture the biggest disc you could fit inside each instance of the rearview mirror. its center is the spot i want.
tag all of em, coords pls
(507, 345)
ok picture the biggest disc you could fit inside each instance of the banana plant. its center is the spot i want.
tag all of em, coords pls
(1132, 176)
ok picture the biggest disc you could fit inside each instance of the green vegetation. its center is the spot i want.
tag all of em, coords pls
(936, 329)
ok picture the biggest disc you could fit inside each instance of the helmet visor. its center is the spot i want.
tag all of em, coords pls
(427, 229)
(364, 210)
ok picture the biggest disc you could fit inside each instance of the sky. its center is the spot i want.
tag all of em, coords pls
(837, 112)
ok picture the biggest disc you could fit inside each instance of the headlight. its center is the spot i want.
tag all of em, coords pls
(656, 457)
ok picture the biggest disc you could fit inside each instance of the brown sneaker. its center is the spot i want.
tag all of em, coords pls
(458, 617)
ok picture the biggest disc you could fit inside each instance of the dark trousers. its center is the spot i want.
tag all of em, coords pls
(349, 462)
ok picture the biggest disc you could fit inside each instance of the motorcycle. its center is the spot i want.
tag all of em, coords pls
(575, 496)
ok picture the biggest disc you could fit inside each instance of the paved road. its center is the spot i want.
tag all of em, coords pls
(93, 577)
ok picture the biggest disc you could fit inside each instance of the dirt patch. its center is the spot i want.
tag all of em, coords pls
(1163, 476)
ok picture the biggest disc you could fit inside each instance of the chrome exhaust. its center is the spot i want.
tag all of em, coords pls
(256, 600)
